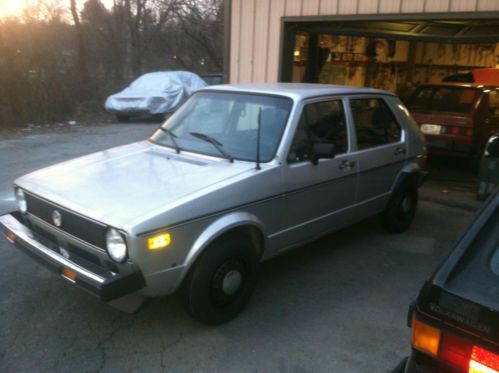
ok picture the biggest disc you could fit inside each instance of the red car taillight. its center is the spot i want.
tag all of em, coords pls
(483, 361)
(453, 350)
(455, 131)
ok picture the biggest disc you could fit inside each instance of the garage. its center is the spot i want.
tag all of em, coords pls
(395, 45)
(388, 44)
(391, 54)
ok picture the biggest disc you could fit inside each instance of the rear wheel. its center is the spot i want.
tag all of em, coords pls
(401, 210)
(222, 280)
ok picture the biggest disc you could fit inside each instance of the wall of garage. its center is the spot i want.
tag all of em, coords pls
(255, 26)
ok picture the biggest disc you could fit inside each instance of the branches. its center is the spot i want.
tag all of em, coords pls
(62, 52)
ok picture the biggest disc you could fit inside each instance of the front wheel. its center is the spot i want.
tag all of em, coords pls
(222, 280)
(401, 210)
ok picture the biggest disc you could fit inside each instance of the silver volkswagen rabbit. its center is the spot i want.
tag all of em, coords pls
(238, 174)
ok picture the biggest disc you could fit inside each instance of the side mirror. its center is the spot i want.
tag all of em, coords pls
(323, 151)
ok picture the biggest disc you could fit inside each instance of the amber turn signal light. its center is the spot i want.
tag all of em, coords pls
(159, 241)
(69, 274)
(425, 337)
(11, 237)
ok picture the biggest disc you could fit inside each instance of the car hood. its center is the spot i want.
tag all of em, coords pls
(120, 185)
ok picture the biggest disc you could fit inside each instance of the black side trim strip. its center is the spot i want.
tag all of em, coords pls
(255, 202)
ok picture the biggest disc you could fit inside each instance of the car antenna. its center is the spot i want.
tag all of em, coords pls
(258, 139)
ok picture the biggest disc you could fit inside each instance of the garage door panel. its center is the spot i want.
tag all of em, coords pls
(412, 6)
(437, 6)
(261, 40)
(311, 7)
(463, 5)
(293, 7)
(328, 7)
(246, 53)
(487, 5)
(348, 7)
(277, 8)
(389, 6)
(366, 7)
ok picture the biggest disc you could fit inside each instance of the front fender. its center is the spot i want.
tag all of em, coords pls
(220, 226)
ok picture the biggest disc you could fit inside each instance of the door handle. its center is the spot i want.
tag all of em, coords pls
(399, 150)
(346, 165)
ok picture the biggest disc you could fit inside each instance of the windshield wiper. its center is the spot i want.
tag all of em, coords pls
(172, 136)
(217, 144)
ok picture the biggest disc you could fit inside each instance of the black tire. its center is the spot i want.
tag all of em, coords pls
(159, 117)
(476, 159)
(401, 209)
(481, 195)
(122, 117)
(210, 292)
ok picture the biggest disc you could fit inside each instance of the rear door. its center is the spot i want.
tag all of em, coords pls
(381, 151)
(319, 197)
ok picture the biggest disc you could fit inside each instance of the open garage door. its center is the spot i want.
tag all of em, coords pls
(395, 55)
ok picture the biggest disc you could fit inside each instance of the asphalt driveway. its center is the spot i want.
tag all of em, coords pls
(336, 305)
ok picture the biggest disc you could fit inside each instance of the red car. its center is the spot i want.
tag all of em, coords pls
(456, 118)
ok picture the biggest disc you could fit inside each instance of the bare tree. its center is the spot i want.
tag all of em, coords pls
(202, 22)
(82, 53)
(55, 57)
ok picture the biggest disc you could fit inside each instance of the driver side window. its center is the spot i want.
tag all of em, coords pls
(321, 122)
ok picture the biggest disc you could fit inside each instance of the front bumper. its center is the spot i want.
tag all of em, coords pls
(100, 282)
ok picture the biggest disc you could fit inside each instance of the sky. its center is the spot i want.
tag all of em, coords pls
(12, 8)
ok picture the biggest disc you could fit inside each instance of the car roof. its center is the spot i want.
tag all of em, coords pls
(296, 91)
(167, 73)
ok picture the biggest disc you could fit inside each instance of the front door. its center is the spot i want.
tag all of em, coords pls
(318, 195)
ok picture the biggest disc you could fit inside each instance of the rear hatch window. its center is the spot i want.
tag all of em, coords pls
(494, 262)
(447, 99)
(476, 275)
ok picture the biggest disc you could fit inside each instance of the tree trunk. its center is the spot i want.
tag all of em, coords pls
(82, 53)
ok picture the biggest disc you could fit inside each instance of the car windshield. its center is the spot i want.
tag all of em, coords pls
(443, 99)
(213, 79)
(152, 81)
(231, 121)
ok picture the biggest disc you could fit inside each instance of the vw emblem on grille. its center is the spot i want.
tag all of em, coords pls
(57, 218)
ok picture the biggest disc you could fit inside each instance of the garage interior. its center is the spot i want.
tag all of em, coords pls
(395, 55)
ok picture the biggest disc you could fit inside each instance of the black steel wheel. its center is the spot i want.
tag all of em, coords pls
(222, 280)
(401, 209)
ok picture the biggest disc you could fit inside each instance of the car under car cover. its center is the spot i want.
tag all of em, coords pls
(155, 93)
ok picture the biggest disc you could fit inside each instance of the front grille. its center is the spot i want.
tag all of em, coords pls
(76, 225)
